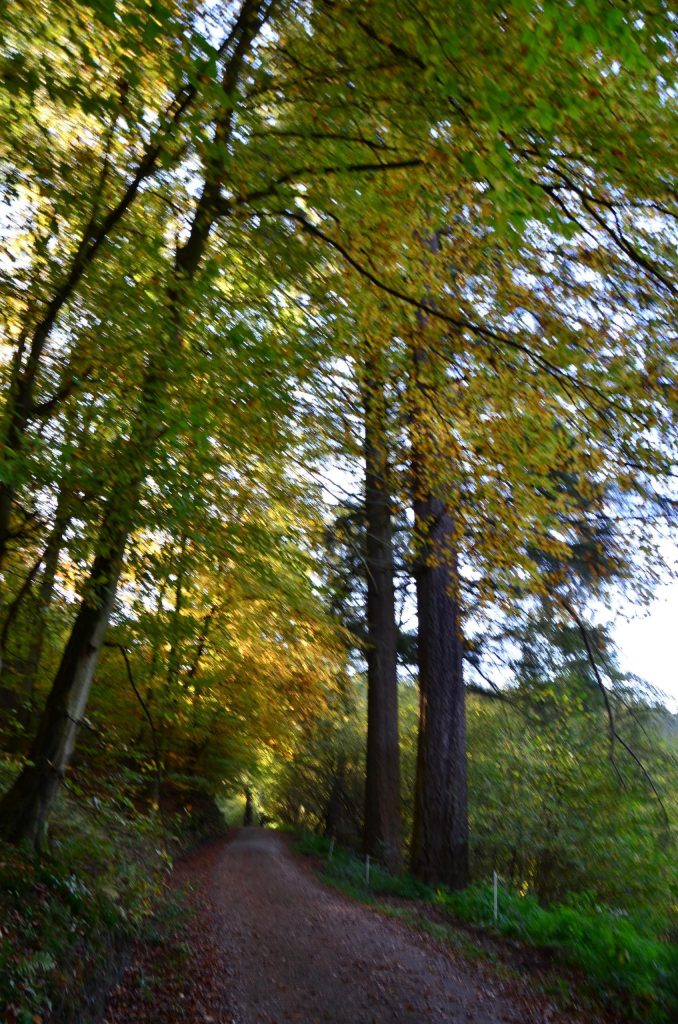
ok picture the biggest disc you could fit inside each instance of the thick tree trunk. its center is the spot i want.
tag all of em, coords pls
(24, 634)
(25, 808)
(440, 836)
(383, 825)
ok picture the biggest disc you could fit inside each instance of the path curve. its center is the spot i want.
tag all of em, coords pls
(304, 954)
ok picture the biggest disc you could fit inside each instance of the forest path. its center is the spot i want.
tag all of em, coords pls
(291, 951)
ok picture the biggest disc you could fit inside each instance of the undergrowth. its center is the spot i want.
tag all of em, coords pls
(625, 963)
(65, 917)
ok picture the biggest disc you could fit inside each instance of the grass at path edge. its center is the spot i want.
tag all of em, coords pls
(624, 966)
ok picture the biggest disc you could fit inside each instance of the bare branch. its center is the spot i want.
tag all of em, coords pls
(142, 702)
(614, 735)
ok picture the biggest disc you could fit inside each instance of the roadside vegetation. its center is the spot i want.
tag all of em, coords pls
(337, 418)
(624, 960)
(68, 920)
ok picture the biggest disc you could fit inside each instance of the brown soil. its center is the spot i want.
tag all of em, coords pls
(270, 944)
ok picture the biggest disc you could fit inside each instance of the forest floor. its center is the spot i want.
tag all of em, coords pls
(268, 943)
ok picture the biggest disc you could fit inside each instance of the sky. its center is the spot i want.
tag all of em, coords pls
(648, 643)
(646, 637)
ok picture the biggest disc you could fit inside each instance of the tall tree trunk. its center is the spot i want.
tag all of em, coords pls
(25, 808)
(439, 850)
(383, 824)
(440, 836)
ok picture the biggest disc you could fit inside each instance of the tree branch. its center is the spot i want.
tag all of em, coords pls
(614, 735)
(144, 706)
(225, 206)
(487, 335)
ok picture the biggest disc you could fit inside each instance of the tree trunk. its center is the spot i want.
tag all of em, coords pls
(383, 825)
(25, 808)
(440, 833)
(440, 836)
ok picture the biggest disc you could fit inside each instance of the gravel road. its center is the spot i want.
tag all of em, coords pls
(268, 943)
(307, 954)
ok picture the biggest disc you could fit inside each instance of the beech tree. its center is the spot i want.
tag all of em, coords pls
(186, 179)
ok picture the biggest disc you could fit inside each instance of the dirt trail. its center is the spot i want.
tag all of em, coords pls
(307, 954)
(291, 951)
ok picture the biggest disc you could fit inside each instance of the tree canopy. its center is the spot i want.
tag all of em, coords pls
(254, 251)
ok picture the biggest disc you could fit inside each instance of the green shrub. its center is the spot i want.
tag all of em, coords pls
(606, 946)
(64, 917)
(618, 957)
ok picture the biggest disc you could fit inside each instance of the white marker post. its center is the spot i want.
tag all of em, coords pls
(367, 869)
(495, 906)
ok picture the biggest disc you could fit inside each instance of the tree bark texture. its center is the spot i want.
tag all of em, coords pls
(439, 851)
(383, 826)
(440, 835)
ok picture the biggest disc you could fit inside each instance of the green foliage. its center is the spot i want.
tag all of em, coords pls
(319, 786)
(198, 247)
(65, 918)
(618, 958)
(551, 816)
